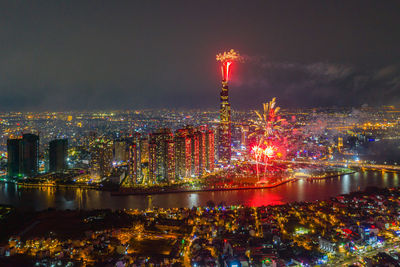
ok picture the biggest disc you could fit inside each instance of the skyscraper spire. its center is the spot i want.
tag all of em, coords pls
(224, 144)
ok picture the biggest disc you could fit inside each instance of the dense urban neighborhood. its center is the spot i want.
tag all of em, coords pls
(361, 227)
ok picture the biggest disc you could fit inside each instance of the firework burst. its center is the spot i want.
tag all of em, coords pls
(268, 123)
(227, 58)
(262, 154)
(267, 131)
(231, 55)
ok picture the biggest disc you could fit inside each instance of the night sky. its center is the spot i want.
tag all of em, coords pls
(91, 55)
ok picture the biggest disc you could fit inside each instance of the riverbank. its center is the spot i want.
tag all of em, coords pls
(137, 191)
(158, 190)
(142, 191)
(331, 176)
(42, 185)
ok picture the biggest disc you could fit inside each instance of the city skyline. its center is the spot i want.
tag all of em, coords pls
(136, 134)
(92, 56)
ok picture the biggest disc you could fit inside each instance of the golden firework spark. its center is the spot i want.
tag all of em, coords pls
(268, 123)
(231, 55)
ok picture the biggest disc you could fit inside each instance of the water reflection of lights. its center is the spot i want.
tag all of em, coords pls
(193, 200)
(385, 178)
(346, 183)
(301, 190)
(265, 198)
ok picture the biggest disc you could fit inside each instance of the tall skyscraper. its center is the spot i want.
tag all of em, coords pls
(101, 153)
(170, 161)
(224, 149)
(23, 156)
(30, 154)
(14, 161)
(136, 139)
(161, 139)
(183, 154)
(194, 139)
(202, 149)
(152, 167)
(225, 136)
(132, 163)
(143, 159)
(209, 150)
(58, 152)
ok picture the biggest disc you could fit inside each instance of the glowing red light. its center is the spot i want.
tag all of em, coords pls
(227, 59)
(226, 70)
(228, 64)
(258, 151)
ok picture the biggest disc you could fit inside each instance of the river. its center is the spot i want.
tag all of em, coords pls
(301, 190)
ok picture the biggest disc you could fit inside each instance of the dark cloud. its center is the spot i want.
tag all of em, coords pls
(57, 55)
(386, 72)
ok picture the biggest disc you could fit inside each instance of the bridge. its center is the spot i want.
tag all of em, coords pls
(346, 164)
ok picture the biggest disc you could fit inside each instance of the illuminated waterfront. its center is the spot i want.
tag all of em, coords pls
(302, 190)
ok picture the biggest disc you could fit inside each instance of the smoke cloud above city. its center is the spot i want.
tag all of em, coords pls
(327, 84)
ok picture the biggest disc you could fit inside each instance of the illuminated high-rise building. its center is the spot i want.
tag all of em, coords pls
(30, 154)
(126, 153)
(23, 156)
(224, 149)
(152, 165)
(170, 161)
(132, 163)
(14, 160)
(143, 159)
(202, 149)
(136, 139)
(101, 153)
(183, 154)
(195, 153)
(224, 131)
(144, 150)
(161, 139)
(209, 150)
(216, 142)
(58, 152)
